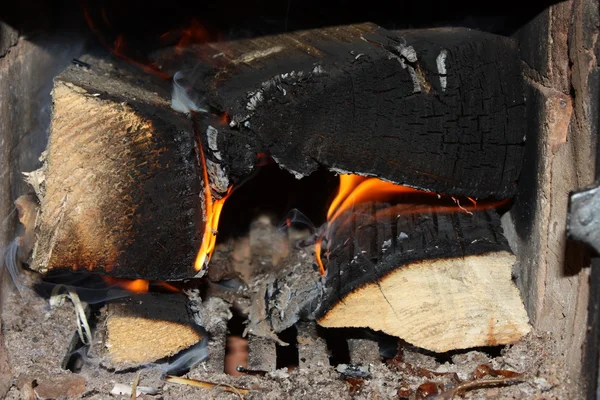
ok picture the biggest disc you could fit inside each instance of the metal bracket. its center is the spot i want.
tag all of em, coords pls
(583, 218)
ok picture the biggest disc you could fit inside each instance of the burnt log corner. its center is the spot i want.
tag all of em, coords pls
(122, 190)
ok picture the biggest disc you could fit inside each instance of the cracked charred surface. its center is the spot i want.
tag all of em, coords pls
(440, 281)
(440, 109)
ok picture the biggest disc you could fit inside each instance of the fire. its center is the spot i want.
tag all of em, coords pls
(119, 50)
(138, 285)
(213, 208)
(356, 189)
(194, 33)
(263, 159)
(209, 238)
(131, 285)
(118, 47)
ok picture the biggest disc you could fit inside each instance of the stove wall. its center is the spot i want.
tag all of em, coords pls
(560, 51)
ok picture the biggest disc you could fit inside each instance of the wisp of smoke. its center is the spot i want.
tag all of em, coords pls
(295, 218)
(10, 260)
(90, 288)
(185, 359)
(182, 96)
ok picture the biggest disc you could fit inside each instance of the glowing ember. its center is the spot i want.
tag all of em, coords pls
(118, 47)
(138, 285)
(194, 33)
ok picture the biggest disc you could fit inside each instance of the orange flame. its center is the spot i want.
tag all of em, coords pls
(356, 189)
(194, 33)
(118, 47)
(134, 286)
(119, 50)
(263, 159)
(138, 285)
(213, 213)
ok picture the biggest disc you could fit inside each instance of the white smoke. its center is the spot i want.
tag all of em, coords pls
(182, 98)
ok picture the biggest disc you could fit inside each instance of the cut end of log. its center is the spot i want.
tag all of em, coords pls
(441, 304)
(149, 328)
(122, 193)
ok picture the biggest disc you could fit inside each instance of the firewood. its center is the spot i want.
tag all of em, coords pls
(122, 189)
(440, 281)
(148, 328)
(440, 109)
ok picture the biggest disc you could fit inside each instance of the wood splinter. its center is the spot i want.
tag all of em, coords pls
(206, 385)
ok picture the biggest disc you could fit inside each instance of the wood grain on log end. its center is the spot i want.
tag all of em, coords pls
(150, 328)
(121, 180)
(441, 304)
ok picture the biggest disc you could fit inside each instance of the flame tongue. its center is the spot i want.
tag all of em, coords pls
(355, 190)
(213, 208)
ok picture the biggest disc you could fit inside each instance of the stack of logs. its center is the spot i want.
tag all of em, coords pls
(135, 164)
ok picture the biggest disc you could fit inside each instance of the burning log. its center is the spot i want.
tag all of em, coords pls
(440, 109)
(122, 189)
(439, 280)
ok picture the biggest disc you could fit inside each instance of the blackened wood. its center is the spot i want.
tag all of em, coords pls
(444, 258)
(441, 109)
(367, 248)
(123, 189)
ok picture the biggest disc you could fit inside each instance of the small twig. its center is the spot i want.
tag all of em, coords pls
(134, 386)
(207, 385)
(477, 384)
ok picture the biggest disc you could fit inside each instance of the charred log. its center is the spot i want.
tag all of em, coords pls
(121, 191)
(439, 109)
(440, 281)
